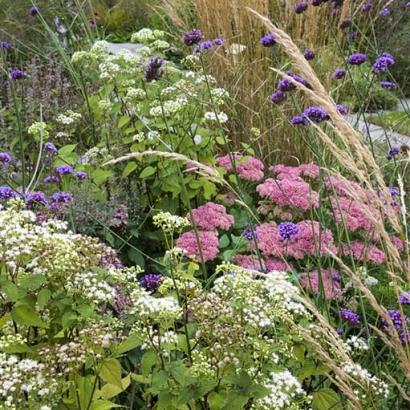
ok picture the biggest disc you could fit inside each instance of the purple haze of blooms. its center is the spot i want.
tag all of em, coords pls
(385, 12)
(5, 157)
(342, 109)
(17, 74)
(357, 59)
(64, 170)
(249, 234)
(393, 151)
(36, 197)
(339, 73)
(150, 281)
(367, 6)
(393, 191)
(298, 78)
(33, 11)
(218, 42)
(382, 63)
(287, 230)
(336, 276)
(268, 40)
(316, 3)
(192, 37)
(346, 22)
(81, 175)
(51, 179)
(309, 54)
(278, 96)
(5, 45)
(397, 318)
(351, 317)
(203, 46)
(388, 85)
(7, 193)
(153, 70)
(404, 298)
(299, 120)
(286, 85)
(60, 197)
(50, 148)
(301, 7)
(316, 114)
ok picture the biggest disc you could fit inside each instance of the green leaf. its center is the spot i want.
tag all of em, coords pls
(224, 241)
(85, 389)
(103, 405)
(147, 172)
(99, 176)
(68, 319)
(26, 315)
(130, 167)
(123, 121)
(33, 282)
(326, 399)
(132, 342)
(307, 370)
(66, 150)
(109, 390)
(43, 297)
(136, 256)
(110, 372)
(209, 189)
(147, 362)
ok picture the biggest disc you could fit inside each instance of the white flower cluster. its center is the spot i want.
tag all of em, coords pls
(90, 286)
(159, 341)
(372, 384)
(169, 108)
(38, 128)
(95, 155)
(134, 95)
(146, 35)
(357, 343)
(11, 340)
(154, 309)
(69, 118)
(108, 70)
(219, 117)
(160, 45)
(23, 377)
(200, 365)
(170, 223)
(284, 391)
(191, 61)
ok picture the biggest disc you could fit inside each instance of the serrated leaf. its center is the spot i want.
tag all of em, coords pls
(110, 372)
(26, 315)
(43, 297)
(326, 399)
(149, 359)
(132, 342)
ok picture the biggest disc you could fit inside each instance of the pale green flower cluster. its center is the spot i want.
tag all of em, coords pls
(147, 36)
(170, 223)
(38, 129)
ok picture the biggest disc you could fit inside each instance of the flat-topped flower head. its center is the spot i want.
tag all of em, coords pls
(64, 170)
(268, 40)
(309, 54)
(36, 198)
(357, 59)
(350, 317)
(316, 114)
(211, 216)
(301, 7)
(61, 197)
(287, 230)
(7, 193)
(150, 281)
(208, 245)
(382, 63)
(285, 85)
(339, 73)
(192, 37)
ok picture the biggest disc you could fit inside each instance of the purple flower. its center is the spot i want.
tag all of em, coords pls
(336, 276)
(316, 114)
(249, 234)
(298, 78)
(203, 46)
(5, 157)
(351, 317)
(61, 197)
(285, 85)
(81, 175)
(7, 193)
(382, 63)
(218, 42)
(5, 45)
(300, 7)
(153, 70)
(357, 59)
(277, 97)
(17, 74)
(192, 37)
(342, 109)
(393, 191)
(50, 148)
(339, 331)
(353, 36)
(339, 73)
(396, 317)
(316, 3)
(36, 197)
(388, 85)
(393, 151)
(299, 120)
(150, 281)
(64, 170)
(287, 230)
(367, 6)
(404, 298)
(268, 40)
(346, 22)
(33, 11)
(51, 179)
(309, 54)
(385, 12)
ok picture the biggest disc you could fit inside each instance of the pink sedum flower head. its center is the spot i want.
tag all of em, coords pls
(364, 252)
(268, 264)
(208, 241)
(248, 168)
(330, 280)
(211, 216)
(291, 192)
